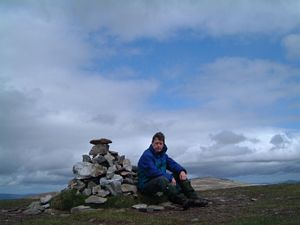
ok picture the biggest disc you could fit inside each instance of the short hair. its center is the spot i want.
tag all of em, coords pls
(160, 136)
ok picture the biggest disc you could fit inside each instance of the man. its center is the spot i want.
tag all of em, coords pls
(153, 176)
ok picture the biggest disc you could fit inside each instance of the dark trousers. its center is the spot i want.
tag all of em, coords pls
(177, 194)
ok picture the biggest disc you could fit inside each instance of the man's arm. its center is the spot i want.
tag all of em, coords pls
(173, 166)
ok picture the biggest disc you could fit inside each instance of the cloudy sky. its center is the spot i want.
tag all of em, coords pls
(221, 79)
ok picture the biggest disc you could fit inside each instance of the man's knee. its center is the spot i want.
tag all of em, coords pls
(156, 184)
(161, 182)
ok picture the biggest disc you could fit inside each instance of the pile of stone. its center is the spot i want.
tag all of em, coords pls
(103, 173)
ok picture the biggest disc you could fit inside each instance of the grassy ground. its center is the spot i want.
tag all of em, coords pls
(256, 205)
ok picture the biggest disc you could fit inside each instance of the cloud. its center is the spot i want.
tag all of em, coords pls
(61, 84)
(244, 157)
(291, 43)
(162, 19)
(227, 137)
(279, 140)
(50, 105)
(242, 87)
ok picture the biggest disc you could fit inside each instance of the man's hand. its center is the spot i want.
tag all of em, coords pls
(173, 182)
(182, 175)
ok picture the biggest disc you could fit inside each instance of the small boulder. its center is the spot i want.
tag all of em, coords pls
(86, 158)
(99, 159)
(127, 165)
(84, 170)
(87, 191)
(129, 188)
(45, 199)
(76, 184)
(101, 149)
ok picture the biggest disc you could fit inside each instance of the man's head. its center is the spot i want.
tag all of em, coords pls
(158, 141)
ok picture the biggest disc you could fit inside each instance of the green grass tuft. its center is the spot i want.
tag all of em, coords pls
(67, 199)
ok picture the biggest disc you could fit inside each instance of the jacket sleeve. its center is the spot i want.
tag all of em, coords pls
(147, 164)
(173, 166)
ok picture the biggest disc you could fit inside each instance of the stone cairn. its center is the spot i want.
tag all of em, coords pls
(103, 173)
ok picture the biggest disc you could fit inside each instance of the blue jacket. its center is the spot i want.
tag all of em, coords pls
(153, 164)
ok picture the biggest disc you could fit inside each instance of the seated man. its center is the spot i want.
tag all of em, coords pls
(153, 176)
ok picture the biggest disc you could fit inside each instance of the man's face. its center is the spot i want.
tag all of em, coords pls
(157, 145)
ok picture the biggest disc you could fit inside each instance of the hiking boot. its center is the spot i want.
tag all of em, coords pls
(188, 190)
(200, 202)
(176, 197)
(186, 204)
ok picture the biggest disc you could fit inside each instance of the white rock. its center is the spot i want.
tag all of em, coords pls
(140, 206)
(46, 206)
(116, 178)
(95, 200)
(84, 170)
(127, 165)
(45, 199)
(129, 188)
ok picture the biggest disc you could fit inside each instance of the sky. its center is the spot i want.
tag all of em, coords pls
(221, 79)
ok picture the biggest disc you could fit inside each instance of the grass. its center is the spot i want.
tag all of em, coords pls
(267, 220)
(256, 205)
(14, 203)
(274, 205)
(106, 216)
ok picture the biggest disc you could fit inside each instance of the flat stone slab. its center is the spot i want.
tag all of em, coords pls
(95, 200)
(147, 208)
(100, 141)
(155, 208)
(81, 208)
(34, 208)
(140, 206)
(32, 211)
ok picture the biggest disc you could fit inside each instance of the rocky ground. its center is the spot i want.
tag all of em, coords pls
(221, 209)
(276, 204)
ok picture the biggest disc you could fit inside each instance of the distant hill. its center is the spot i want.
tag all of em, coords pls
(13, 196)
(27, 196)
(291, 182)
(212, 183)
(199, 184)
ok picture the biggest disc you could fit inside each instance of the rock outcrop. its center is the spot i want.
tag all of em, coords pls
(38, 207)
